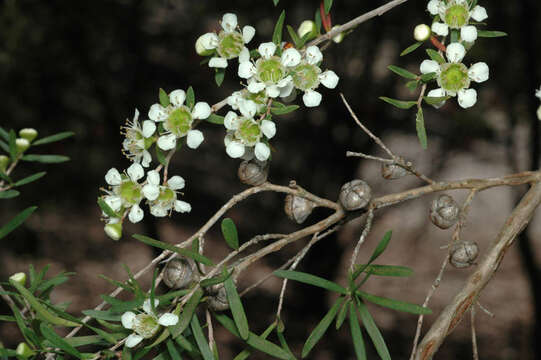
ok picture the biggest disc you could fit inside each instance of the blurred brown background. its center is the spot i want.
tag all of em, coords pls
(84, 66)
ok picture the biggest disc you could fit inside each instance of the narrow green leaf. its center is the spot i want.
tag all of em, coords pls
(229, 232)
(411, 48)
(373, 332)
(428, 77)
(432, 100)
(420, 126)
(54, 281)
(275, 2)
(85, 340)
(4, 134)
(294, 37)
(7, 318)
(356, 333)
(160, 155)
(219, 76)
(4, 177)
(328, 4)
(172, 350)
(278, 28)
(28, 334)
(245, 354)
(342, 314)
(114, 282)
(284, 110)
(382, 245)
(490, 33)
(386, 270)
(107, 209)
(9, 194)
(412, 85)
(395, 304)
(161, 338)
(200, 339)
(190, 97)
(237, 309)
(164, 98)
(317, 20)
(111, 338)
(16, 221)
(45, 159)
(434, 55)
(53, 138)
(402, 72)
(4, 146)
(184, 252)
(120, 306)
(321, 328)
(57, 341)
(102, 315)
(398, 103)
(215, 119)
(215, 280)
(311, 280)
(12, 145)
(186, 315)
(30, 178)
(283, 344)
(171, 295)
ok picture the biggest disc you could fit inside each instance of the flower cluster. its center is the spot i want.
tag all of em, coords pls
(456, 14)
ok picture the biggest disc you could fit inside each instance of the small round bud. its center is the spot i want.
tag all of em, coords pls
(24, 351)
(338, 38)
(307, 27)
(422, 32)
(22, 145)
(539, 112)
(19, 277)
(463, 254)
(179, 273)
(114, 231)
(355, 195)
(298, 208)
(444, 212)
(217, 300)
(200, 47)
(392, 171)
(28, 134)
(253, 172)
(4, 162)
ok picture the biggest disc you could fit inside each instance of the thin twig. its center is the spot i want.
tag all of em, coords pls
(369, 157)
(364, 234)
(473, 336)
(212, 342)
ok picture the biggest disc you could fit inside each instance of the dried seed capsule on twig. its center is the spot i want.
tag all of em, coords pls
(180, 272)
(298, 208)
(218, 298)
(253, 172)
(444, 212)
(392, 171)
(355, 195)
(463, 254)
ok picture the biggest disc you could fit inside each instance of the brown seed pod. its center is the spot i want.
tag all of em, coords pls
(180, 272)
(218, 298)
(392, 171)
(355, 195)
(298, 208)
(253, 172)
(463, 254)
(444, 212)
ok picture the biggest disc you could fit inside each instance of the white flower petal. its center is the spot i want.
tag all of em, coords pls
(248, 33)
(467, 98)
(158, 211)
(151, 192)
(286, 90)
(114, 202)
(136, 171)
(149, 127)
(329, 79)
(247, 108)
(433, 7)
(136, 214)
(182, 206)
(291, 57)
(313, 55)
(272, 91)
(194, 139)
(136, 115)
(201, 110)
(127, 319)
(229, 22)
(168, 319)
(254, 87)
(538, 93)
(153, 177)
(479, 72)
(177, 97)
(157, 113)
(268, 128)
(234, 149)
(231, 121)
(479, 13)
(468, 33)
(429, 66)
(147, 159)
(246, 69)
(311, 98)
(244, 55)
(176, 182)
(218, 62)
(147, 308)
(437, 93)
(233, 99)
(267, 49)
(167, 142)
(133, 340)
(209, 41)
(455, 52)
(440, 28)
(261, 151)
(113, 177)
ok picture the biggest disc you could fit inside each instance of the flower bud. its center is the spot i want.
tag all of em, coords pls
(422, 32)
(307, 27)
(217, 300)
(355, 195)
(24, 351)
(28, 134)
(253, 172)
(298, 208)
(338, 38)
(444, 212)
(180, 273)
(22, 145)
(19, 277)
(200, 48)
(114, 230)
(463, 254)
(4, 162)
(392, 171)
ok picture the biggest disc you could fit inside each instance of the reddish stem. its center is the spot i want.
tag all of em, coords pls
(437, 43)
(325, 18)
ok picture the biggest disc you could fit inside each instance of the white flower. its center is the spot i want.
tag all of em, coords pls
(166, 200)
(146, 324)
(138, 139)
(437, 93)
(246, 135)
(126, 192)
(151, 190)
(456, 14)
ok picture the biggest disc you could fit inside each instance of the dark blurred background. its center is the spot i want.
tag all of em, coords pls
(84, 66)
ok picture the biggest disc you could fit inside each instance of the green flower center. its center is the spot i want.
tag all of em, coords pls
(249, 132)
(305, 76)
(146, 325)
(230, 45)
(130, 192)
(270, 71)
(179, 121)
(454, 77)
(166, 195)
(457, 16)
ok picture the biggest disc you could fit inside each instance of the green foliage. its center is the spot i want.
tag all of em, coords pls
(190, 98)
(229, 232)
(321, 328)
(278, 29)
(399, 103)
(402, 72)
(434, 55)
(16, 221)
(327, 5)
(219, 76)
(311, 280)
(164, 98)
(411, 48)
(45, 159)
(53, 138)
(237, 309)
(184, 252)
(490, 34)
(420, 127)
(215, 119)
(282, 110)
